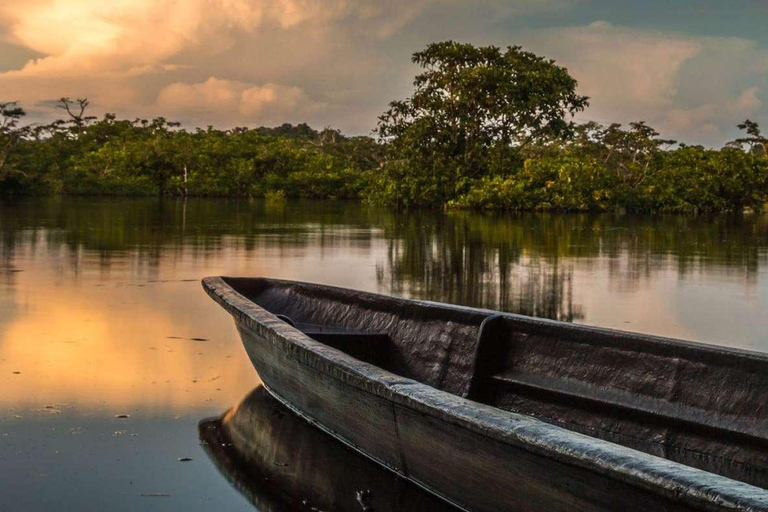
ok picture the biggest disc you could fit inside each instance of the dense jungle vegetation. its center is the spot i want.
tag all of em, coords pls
(485, 128)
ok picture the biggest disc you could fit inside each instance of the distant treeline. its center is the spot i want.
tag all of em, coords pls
(484, 129)
(84, 156)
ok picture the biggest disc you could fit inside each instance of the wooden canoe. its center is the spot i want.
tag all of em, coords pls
(495, 411)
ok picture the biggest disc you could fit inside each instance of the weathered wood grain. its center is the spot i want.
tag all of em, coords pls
(475, 455)
(280, 462)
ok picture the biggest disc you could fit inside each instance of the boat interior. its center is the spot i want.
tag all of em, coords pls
(701, 406)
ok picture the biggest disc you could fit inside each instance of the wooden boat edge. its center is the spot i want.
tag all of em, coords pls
(682, 483)
(529, 321)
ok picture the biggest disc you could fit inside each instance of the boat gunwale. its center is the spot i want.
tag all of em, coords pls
(694, 487)
(607, 336)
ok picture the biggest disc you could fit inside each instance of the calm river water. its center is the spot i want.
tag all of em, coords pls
(102, 315)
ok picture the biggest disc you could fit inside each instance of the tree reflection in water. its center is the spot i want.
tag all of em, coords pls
(522, 263)
(525, 263)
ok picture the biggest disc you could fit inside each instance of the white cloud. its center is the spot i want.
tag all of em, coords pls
(748, 103)
(708, 122)
(692, 88)
(619, 68)
(518, 7)
(237, 102)
(121, 36)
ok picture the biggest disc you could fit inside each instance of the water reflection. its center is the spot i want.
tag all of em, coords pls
(76, 274)
(280, 462)
(100, 304)
(460, 258)
(474, 258)
(521, 263)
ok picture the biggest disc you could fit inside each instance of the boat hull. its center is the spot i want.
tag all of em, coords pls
(476, 456)
(466, 469)
(280, 462)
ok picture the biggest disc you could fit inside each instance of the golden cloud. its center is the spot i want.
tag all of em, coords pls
(270, 103)
(137, 56)
(132, 36)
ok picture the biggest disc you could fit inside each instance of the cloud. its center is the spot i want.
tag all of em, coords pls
(231, 101)
(692, 88)
(124, 54)
(620, 69)
(704, 122)
(339, 62)
(122, 36)
(518, 7)
(130, 36)
(748, 102)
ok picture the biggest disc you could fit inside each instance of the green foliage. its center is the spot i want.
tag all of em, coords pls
(473, 110)
(143, 157)
(491, 129)
(275, 196)
(10, 134)
(697, 179)
(688, 179)
(485, 129)
(755, 141)
(562, 182)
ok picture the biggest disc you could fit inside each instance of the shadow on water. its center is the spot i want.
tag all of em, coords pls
(280, 462)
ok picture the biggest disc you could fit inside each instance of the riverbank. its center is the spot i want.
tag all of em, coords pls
(121, 158)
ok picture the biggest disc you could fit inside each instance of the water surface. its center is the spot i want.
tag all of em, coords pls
(102, 315)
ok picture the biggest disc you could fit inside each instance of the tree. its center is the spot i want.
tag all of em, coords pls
(473, 111)
(632, 153)
(754, 139)
(78, 119)
(10, 133)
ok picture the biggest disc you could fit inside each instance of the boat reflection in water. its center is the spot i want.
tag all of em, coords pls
(278, 461)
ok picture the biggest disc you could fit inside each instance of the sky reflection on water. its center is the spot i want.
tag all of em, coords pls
(102, 314)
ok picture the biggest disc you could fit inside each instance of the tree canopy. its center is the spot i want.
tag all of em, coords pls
(472, 112)
(485, 128)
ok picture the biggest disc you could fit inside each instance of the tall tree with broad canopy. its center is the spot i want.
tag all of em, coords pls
(473, 111)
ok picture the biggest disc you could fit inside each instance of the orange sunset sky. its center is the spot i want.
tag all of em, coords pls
(691, 69)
